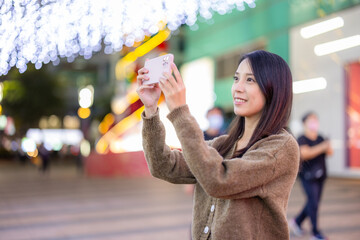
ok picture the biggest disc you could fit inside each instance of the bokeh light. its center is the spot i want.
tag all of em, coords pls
(85, 148)
(28, 145)
(71, 122)
(1, 91)
(44, 31)
(33, 154)
(86, 96)
(3, 122)
(84, 113)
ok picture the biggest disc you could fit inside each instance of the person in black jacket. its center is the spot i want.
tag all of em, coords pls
(313, 150)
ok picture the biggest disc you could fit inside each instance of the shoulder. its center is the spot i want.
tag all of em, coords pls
(281, 149)
(301, 137)
(284, 148)
(320, 138)
(277, 143)
(302, 140)
(289, 142)
(280, 138)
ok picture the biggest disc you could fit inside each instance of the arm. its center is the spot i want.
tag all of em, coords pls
(330, 150)
(308, 153)
(243, 177)
(163, 162)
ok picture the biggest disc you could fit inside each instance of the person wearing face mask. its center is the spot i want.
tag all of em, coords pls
(313, 150)
(216, 122)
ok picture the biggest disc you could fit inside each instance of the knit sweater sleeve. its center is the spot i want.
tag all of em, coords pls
(245, 177)
(163, 162)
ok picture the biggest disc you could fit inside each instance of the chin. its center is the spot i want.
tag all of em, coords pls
(239, 113)
(239, 110)
(245, 113)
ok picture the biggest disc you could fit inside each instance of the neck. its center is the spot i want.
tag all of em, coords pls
(250, 125)
(311, 134)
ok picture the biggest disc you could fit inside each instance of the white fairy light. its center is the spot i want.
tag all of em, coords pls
(41, 31)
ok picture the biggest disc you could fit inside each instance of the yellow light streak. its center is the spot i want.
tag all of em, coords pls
(102, 146)
(140, 51)
(118, 129)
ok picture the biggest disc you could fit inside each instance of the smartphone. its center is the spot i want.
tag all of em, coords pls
(157, 66)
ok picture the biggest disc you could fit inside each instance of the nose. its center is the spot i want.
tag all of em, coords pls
(239, 86)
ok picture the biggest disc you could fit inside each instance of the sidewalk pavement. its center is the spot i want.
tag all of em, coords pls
(339, 216)
(67, 205)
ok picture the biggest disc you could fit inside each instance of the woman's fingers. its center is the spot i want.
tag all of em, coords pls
(145, 87)
(177, 74)
(143, 71)
(170, 79)
(141, 77)
(165, 86)
(169, 84)
(172, 84)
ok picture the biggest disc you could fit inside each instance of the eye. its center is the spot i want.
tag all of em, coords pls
(235, 78)
(249, 79)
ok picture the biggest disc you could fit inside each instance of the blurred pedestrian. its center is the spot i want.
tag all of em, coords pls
(22, 156)
(45, 158)
(313, 150)
(215, 116)
(242, 180)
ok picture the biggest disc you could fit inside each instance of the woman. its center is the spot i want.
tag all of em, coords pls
(313, 150)
(242, 180)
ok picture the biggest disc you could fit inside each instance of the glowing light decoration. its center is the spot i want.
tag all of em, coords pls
(28, 145)
(85, 148)
(322, 27)
(309, 85)
(84, 112)
(86, 96)
(337, 45)
(43, 31)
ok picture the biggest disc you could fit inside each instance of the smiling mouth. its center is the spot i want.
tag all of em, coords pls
(239, 100)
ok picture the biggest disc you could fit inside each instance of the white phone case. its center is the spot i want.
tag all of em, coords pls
(157, 66)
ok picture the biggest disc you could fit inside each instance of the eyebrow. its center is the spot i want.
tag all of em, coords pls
(248, 74)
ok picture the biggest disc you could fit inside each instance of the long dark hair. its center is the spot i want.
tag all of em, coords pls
(273, 75)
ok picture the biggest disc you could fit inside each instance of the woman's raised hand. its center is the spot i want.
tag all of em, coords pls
(148, 94)
(173, 88)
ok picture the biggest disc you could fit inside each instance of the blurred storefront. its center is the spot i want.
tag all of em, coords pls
(214, 46)
(337, 99)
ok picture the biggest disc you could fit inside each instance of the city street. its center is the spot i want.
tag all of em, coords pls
(79, 85)
(67, 205)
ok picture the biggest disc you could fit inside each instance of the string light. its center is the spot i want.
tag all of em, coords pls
(43, 31)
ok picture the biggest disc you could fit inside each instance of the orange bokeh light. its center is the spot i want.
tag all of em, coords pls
(84, 112)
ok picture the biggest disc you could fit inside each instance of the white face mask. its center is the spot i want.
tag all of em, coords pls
(216, 121)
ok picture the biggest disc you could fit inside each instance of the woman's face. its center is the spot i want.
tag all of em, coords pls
(248, 99)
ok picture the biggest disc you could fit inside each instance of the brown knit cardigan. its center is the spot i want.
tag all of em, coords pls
(240, 198)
